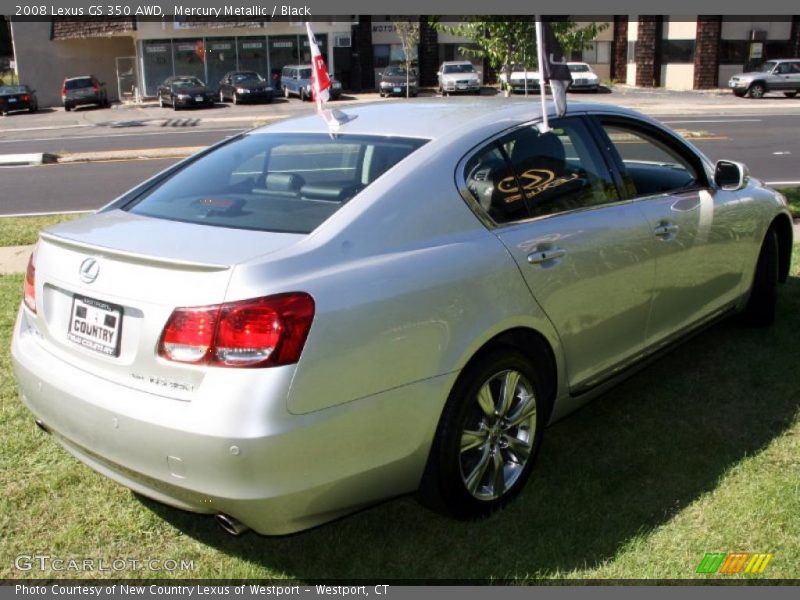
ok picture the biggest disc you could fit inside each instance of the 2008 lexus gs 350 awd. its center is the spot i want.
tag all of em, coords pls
(297, 323)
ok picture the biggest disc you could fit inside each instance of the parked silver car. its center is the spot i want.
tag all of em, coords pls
(772, 76)
(458, 76)
(295, 324)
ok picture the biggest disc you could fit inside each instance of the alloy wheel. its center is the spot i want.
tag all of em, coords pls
(498, 435)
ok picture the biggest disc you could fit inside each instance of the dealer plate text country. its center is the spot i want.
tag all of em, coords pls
(729, 563)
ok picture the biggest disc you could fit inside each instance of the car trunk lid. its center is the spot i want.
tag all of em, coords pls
(106, 285)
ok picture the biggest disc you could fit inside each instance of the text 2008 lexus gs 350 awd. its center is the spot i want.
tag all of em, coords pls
(298, 323)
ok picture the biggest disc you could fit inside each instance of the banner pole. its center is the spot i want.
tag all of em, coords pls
(542, 87)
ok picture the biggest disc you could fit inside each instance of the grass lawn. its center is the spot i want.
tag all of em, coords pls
(793, 196)
(700, 452)
(20, 231)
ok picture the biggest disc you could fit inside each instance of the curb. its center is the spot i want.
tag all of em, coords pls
(20, 160)
(138, 154)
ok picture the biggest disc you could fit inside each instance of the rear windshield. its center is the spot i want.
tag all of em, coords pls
(458, 69)
(281, 182)
(76, 84)
(13, 89)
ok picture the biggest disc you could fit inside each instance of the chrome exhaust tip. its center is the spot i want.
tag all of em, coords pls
(40, 424)
(231, 525)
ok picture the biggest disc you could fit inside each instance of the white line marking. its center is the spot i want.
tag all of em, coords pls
(782, 182)
(15, 129)
(718, 121)
(48, 214)
(116, 135)
(781, 153)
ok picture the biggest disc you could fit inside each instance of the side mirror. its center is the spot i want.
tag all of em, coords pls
(730, 175)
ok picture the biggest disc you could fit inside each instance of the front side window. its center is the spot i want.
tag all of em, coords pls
(651, 164)
(531, 174)
(274, 182)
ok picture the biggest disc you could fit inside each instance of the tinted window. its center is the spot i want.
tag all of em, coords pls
(305, 73)
(651, 164)
(286, 182)
(77, 84)
(458, 69)
(530, 174)
(559, 170)
(579, 68)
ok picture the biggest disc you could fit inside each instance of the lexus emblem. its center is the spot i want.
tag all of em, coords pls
(89, 270)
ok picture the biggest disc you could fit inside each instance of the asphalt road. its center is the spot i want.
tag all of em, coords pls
(767, 143)
(68, 187)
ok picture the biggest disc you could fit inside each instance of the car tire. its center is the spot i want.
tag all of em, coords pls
(790, 94)
(760, 308)
(474, 481)
(67, 107)
(757, 91)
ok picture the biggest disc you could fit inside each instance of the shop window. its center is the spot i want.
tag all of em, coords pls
(781, 49)
(732, 52)
(596, 53)
(677, 51)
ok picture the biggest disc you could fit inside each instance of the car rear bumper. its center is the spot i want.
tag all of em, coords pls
(274, 471)
(583, 86)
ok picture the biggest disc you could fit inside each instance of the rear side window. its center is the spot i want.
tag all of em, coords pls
(282, 182)
(531, 174)
(77, 84)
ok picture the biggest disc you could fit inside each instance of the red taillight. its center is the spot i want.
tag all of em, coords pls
(29, 289)
(95, 87)
(64, 89)
(263, 332)
(26, 98)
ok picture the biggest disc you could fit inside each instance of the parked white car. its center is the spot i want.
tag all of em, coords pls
(583, 78)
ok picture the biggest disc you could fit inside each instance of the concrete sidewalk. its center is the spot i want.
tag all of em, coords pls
(14, 259)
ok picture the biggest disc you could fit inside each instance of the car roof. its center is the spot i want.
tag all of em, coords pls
(457, 62)
(79, 77)
(434, 118)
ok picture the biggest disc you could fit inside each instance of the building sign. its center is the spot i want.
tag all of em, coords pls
(288, 44)
(252, 45)
(155, 49)
(220, 46)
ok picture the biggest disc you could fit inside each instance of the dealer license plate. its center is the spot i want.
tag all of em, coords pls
(95, 325)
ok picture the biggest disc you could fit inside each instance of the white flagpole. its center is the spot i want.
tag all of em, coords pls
(540, 53)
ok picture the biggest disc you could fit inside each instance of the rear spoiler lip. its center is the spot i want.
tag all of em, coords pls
(136, 257)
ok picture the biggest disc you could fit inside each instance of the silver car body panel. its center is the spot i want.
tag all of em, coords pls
(408, 286)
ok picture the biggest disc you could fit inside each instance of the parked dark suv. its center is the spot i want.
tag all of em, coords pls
(85, 89)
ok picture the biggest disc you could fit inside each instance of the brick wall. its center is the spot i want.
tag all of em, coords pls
(795, 36)
(65, 29)
(363, 44)
(646, 51)
(428, 52)
(706, 53)
(619, 49)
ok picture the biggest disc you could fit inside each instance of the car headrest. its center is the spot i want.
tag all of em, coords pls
(283, 182)
(543, 147)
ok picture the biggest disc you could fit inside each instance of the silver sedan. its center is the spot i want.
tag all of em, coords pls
(299, 322)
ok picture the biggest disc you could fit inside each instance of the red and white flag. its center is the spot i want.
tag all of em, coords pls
(320, 80)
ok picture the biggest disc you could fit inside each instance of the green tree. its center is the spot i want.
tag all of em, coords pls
(408, 32)
(504, 43)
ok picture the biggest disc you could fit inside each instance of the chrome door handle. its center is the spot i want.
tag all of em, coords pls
(542, 256)
(666, 230)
